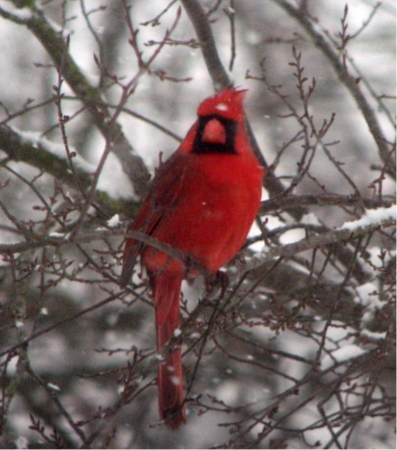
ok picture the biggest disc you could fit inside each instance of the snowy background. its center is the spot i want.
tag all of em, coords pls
(301, 355)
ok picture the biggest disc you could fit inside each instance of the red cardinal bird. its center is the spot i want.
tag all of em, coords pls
(202, 201)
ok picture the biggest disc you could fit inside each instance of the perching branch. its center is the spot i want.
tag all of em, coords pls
(322, 306)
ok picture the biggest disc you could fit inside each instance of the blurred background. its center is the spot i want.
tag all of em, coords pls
(300, 355)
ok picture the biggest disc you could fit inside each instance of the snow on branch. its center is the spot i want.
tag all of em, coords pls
(371, 219)
(369, 222)
(39, 152)
(58, 50)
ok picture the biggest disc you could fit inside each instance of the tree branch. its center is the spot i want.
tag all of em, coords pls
(340, 235)
(56, 47)
(37, 155)
(19, 149)
(203, 30)
(292, 201)
(347, 79)
(221, 81)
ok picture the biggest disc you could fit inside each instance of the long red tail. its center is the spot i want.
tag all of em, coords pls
(166, 289)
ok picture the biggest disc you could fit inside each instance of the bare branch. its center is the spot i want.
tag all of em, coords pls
(312, 242)
(347, 79)
(90, 96)
(286, 202)
(202, 27)
(19, 149)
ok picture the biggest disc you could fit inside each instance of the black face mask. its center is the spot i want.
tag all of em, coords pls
(202, 147)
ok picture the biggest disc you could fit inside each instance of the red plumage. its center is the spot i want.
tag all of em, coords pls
(202, 201)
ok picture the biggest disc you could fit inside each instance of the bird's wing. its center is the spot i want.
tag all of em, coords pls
(163, 196)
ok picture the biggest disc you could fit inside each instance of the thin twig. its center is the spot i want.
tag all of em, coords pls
(346, 78)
